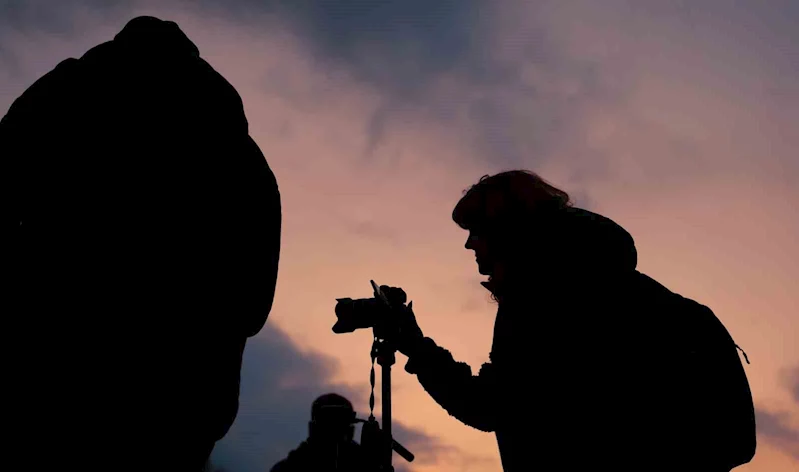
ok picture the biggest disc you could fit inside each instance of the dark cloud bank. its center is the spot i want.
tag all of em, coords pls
(402, 46)
(279, 383)
(397, 47)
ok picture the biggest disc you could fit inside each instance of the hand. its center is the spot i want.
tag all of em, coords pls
(402, 329)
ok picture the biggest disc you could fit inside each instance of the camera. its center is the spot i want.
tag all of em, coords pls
(357, 314)
(363, 312)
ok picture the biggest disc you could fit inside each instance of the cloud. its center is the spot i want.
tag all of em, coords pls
(279, 383)
(498, 74)
(53, 17)
(371, 231)
(793, 383)
(775, 426)
(490, 70)
(525, 82)
(391, 44)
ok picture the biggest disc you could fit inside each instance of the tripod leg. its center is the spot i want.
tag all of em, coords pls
(386, 387)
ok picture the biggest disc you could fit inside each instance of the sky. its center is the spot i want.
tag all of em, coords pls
(676, 119)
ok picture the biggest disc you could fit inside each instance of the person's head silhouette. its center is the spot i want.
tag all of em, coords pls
(332, 419)
(504, 213)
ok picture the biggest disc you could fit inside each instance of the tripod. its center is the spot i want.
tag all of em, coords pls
(384, 354)
(363, 313)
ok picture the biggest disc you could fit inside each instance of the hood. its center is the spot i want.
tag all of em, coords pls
(586, 240)
(153, 36)
(148, 100)
(569, 244)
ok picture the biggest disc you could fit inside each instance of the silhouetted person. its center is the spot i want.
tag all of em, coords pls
(149, 226)
(594, 365)
(330, 445)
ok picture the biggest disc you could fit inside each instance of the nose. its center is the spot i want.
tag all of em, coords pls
(470, 241)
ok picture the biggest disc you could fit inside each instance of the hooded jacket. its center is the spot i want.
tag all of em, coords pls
(584, 352)
(149, 241)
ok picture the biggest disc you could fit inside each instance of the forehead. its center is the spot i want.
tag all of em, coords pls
(478, 208)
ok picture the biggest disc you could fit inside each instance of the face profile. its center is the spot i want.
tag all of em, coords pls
(482, 254)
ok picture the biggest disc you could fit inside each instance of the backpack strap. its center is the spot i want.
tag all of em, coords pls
(744, 353)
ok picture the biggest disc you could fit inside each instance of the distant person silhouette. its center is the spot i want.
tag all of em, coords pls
(330, 445)
(594, 365)
(149, 240)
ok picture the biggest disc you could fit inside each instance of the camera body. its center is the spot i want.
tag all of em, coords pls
(358, 314)
(372, 312)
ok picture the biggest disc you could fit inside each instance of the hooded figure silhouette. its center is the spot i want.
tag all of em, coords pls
(149, 226)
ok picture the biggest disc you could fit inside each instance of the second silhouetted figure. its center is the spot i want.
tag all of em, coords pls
(330, 445)
(594, 365)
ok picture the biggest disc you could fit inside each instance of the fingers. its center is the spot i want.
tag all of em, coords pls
(395, 295)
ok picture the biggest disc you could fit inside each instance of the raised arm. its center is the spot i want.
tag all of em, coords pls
(469, 398)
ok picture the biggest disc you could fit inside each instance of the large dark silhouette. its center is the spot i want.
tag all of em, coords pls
(149, 226)
(594, 365)
(330, 445)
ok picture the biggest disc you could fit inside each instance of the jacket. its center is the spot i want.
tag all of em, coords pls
(581, 372)
(149, 244)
